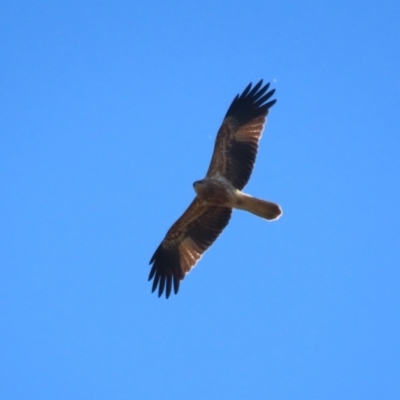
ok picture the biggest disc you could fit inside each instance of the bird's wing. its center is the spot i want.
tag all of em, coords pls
(236, 144)
(184, 244)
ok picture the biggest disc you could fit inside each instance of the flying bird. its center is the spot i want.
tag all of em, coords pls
(219, 192)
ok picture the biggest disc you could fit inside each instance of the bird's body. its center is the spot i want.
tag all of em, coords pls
(216, 191)
(219, 192)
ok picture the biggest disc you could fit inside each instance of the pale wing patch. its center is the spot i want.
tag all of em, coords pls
(190, 254)
(251, 132)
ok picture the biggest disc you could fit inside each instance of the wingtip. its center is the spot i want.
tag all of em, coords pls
(251, 103)
(165, 271)
(161, 283)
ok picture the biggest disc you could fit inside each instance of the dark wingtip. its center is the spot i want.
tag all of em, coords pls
(168, 286)
(251, 103)
(161, 285)
(165, 270)
(271, 103)
(256, 88)
(176, 284)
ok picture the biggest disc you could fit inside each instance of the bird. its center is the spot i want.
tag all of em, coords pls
(220, 192)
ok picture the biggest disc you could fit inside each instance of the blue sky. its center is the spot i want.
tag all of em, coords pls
(108, 113)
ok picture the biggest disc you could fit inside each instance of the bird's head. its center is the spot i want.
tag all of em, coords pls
(198, 184)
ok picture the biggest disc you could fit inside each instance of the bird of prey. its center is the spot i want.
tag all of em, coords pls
(219, 192)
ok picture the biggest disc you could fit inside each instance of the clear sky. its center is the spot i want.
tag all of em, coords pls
(108, 113)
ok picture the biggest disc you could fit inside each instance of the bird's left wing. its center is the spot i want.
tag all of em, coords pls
(184, 244)
(237, 140)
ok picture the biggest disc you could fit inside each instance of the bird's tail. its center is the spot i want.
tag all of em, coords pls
(262, 208)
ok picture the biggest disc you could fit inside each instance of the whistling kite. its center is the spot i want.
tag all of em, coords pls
(219, 192)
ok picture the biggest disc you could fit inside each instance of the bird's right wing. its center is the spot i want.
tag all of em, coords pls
(184, 244)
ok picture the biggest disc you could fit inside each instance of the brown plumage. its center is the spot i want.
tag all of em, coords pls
(231, 165)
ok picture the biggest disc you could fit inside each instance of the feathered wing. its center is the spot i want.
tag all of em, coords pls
(184, 244)
(237, 140)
